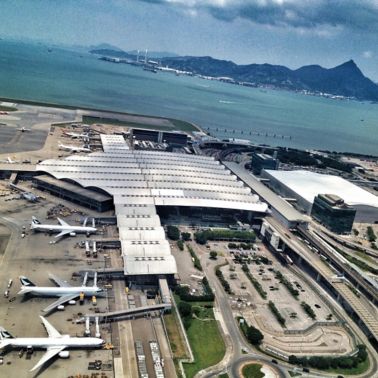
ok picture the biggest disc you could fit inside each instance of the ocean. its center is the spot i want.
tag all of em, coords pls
(30, 71)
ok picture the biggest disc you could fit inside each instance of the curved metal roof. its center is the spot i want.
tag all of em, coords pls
(141, 180)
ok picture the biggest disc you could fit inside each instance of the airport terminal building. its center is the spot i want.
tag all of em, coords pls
(141, 181)
(304, 186)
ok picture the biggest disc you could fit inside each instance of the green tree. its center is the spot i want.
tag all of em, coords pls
(173, 233)
(200, 238)
(180, 245)
(213, 255)
(185, 309)
(362, 354)
(254, 335)
(186, 236)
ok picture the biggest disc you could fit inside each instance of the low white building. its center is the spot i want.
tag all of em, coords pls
(304, 186)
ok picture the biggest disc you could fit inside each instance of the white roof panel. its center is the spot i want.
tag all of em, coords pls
(140, 180)
(309, 184)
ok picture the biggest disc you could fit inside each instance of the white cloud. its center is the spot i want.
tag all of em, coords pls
(307, 14)
(367, 54)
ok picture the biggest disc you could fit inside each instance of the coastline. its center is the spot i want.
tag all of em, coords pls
(185, 125)
(181, 125)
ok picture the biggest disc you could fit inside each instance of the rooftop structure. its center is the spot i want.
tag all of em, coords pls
(89, 198)
(334, 213)
(141, 180)
(281, 209)
(306, 185)
(263, 161)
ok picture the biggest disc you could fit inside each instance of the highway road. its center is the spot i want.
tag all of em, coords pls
(360, 305)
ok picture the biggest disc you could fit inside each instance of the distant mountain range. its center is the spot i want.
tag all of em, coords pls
(344, 80)
(108, 50)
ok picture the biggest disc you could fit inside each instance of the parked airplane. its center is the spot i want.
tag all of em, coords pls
(76, 135)
(10, 160)
(55, 344)
(64, 228)
(73, 148)
(29, 196)
(23, 129)
(64, 291)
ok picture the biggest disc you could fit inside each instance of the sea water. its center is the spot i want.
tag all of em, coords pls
(35, 72)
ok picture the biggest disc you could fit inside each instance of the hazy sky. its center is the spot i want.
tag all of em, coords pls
(288, 32)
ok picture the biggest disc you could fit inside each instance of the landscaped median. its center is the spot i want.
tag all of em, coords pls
(201, 329)
(206, 342)
(252, 371)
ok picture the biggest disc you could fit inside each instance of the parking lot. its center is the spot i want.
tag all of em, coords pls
(300, 335)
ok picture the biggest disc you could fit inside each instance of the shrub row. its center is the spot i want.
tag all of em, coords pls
(323, 362)
(180, 245)
(310, 312)
(223, 281)
(254, 282)
(245, 246)
(371, 235)
(276, 313)
(203, 236)
(196, 262)
(294, 292)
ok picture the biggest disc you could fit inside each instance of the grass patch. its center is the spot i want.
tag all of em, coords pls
(224, 375)
(359, 369)
(89, 120)
(252, 371)
(364, 256)
(207, 345)
(3, 242)
(294, 373)
(176, 123)
(7, 108)
(174, 335)
(183, 125)
(203, 312)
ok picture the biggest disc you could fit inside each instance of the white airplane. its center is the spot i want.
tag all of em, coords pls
(73, 148)
(29, 196)
(75, 135)
(64, 291)
(9, 160)
(23, 129)
(55, 344)
(63, 229)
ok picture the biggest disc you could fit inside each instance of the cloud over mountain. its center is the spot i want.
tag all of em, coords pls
(306, 14)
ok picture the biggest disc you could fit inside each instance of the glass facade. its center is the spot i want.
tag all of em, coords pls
(333, 213)
(263, 161)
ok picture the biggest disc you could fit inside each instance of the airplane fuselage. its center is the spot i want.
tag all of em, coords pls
(59, 228)
(46, 342)
(59, 291)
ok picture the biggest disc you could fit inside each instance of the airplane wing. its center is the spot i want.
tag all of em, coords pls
(59, 281)
(62, 222)
(63, 299)
(50, 353)
(52, 332)
(62, 233)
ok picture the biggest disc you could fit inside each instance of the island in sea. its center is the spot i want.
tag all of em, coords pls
(345, 81)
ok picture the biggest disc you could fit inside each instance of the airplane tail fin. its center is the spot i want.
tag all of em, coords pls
(35, 221)
(4, 337)
(25, 281)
